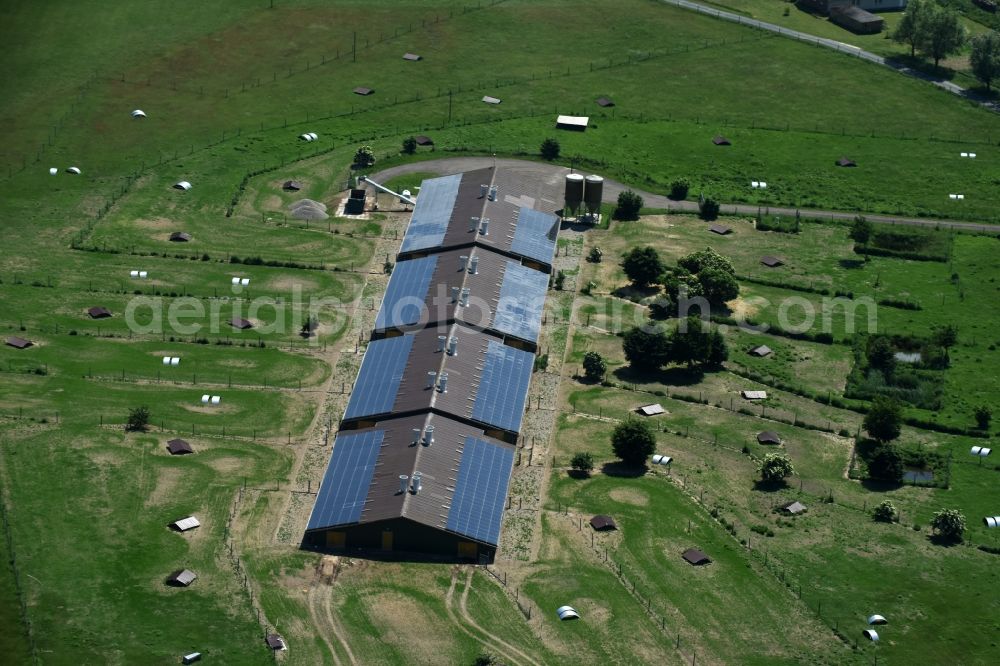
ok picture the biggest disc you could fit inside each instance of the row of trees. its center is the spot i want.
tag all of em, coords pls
(937, 32)
(706, 274)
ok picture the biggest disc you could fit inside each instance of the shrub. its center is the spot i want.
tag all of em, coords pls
(885, 512)
(629, 205)
(949, 524)
(594, 366)
(549, 149)
(582, 462)
(708, 209)
(775, 468)
(138, 418)
(595, 255)
(409, 145)
(983, 416)
(364, 157)
(679, 189)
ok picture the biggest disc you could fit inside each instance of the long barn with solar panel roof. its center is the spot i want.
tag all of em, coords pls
(473, 286)
(426, 448)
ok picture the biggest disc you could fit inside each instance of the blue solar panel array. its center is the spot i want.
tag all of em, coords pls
(404, 296)
(345, 484)
(379, 377)
(522, 297)
(429, 221)
(535, 235)
(480, 491)
(503, 387)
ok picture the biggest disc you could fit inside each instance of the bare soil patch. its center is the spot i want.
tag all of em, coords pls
(629, 496)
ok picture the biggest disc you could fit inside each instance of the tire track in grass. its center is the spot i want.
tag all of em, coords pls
(462, 606)
(453, 616)
(338, 630)
(313, 603)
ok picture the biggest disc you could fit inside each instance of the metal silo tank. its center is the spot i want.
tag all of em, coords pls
(574, 192)
(593, 193)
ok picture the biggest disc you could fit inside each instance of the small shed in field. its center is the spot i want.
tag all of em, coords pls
(575, 123)
(720, 140)
(846, 162)
(180, 237)
(567, 613)
(877, 619)
(181, 578)
(413, 57)
(771, 262)
(652, 410)
(182, 185)
(18, 343)
(241, 323)
(99, 312)
(423, 140)
(753, 395)
(605, 102)
(178, 447)
(696, 557)
(603, 523)
(491, 100)
(720, 229)
(185, 524)
(291, 186)
(792, 508)
(768, 437)
(761, 351)
(361, 90)
(276, 642)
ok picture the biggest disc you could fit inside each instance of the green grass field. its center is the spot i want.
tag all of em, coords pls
(228, 88)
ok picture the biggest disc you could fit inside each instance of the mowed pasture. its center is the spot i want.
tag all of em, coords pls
(787, 298)
(109, 498)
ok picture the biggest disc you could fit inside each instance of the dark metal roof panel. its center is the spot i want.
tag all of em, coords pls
(522, 298)
(348, 479)
(403, 304)
(503, 390)
(481, 490)
(431, 215)
(380, 377)
(535, 235)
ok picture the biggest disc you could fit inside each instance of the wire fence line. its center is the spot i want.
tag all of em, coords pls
(19, 591)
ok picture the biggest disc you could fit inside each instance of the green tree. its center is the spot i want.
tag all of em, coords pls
(560, 280)
(718, 286)
(983, 416)
(708, 209)
(680, 283)
(595, 255)
(643, 266)
(910, 28)
(594, 366)
(861, 230)
(949, 524)
(646, 347)
(364, 157)
(690, 342)
(718, 350)
(881, 355)
(633, 441)
(885, 512)
(583, 462)
(629, 205)
(883, 422)
(945, 336)
(775, 468)
(549, 149)
(886, 464)
(698, 261)
(984, 58)
(679, 189)
(409, 145)
(138, 419)
(942, 33)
